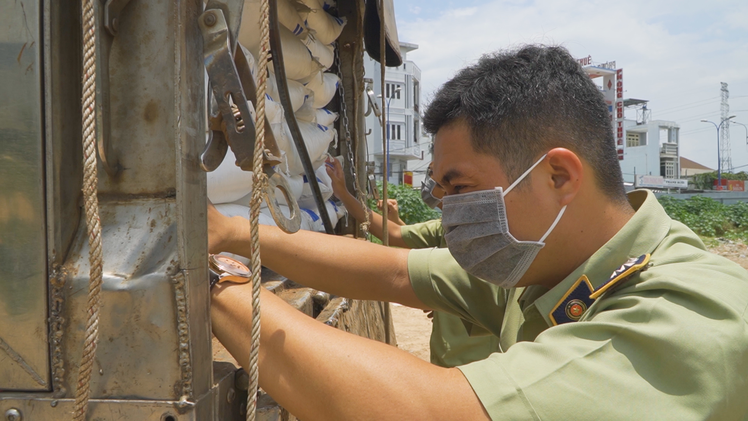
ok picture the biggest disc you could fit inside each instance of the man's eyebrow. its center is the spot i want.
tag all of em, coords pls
(449, 176)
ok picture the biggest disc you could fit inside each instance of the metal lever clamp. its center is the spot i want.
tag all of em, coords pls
(230, 78)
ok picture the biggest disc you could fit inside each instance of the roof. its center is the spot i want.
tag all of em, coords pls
(627, 102)
(687, 163)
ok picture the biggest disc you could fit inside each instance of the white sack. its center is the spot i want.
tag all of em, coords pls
(296, 91)
(313, 218)
(329, 4)
(298, 62)
(326, 26)
(290, 17)
(307, 112)
(323, 53)
(325, 187)
(326, 117)
(317, 139)
(324, 86)
(228, 182)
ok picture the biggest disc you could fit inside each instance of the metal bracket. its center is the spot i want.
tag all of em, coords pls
(112, 9)
(373, 104)
(106, 16)
(227, 90)
(232, 12)
(233, 125)
(289, 224)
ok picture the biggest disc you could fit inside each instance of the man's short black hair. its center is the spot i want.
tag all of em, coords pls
(522, 103)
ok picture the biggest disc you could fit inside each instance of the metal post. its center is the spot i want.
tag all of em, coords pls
(746, 130)
(719, 160)
(389, 164)
(386, 171)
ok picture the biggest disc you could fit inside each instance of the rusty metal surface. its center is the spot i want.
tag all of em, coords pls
(222, 402)
(142, 94)
(24, 355)
(138, 336)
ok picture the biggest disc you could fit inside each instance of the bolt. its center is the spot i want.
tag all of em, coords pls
(53, 403)
(13, 415)
(231, 395)
(241, 380)
(210, 19)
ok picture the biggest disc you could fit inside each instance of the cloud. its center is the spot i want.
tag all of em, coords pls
(672, 52)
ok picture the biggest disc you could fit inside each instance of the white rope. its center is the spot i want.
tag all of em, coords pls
(91, 206)
(259, 180)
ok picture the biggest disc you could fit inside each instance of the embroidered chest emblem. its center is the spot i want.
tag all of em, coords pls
(574, 303)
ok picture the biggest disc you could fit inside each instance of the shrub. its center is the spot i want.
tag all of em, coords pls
(708, 217)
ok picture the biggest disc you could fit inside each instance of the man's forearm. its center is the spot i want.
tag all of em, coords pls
(339, 265)
(321, 373)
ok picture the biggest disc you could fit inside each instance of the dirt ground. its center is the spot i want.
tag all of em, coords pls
(413, 328)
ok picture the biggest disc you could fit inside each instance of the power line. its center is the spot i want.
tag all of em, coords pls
(686, 106)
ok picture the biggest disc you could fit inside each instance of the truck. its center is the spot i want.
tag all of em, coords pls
(155, 357)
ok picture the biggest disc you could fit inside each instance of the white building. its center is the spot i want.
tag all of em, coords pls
(652, 146)
(646, 148)
(403, 111)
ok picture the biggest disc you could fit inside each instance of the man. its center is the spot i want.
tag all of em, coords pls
(449, 344)
(624, 314)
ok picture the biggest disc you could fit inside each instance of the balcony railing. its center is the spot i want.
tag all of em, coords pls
(670, 149)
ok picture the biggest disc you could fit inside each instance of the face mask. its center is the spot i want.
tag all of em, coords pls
(477, 234)
(427, 192)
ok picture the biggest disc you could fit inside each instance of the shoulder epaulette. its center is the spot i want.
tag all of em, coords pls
(633, 265)
(572, 306)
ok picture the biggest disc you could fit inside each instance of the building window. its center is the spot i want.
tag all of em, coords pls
(394, 132)
(392, 90)
(670, 169)
(635, 139)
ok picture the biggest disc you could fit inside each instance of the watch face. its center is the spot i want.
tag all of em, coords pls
(229, 265)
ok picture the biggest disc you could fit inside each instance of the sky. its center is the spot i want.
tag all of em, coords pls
(673, 53)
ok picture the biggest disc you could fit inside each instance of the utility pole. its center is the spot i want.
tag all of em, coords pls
(725, 133)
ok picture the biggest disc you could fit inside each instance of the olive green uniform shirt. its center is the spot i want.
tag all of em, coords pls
(450, 343)
(668, 341)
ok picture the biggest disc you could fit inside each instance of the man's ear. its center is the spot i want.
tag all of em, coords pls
(567, 173)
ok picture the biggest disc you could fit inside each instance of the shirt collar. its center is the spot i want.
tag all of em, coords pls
(641, 235)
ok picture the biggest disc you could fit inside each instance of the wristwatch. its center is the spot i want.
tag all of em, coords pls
(225, 269)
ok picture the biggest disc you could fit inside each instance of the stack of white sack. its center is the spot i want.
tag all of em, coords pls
(307, 35)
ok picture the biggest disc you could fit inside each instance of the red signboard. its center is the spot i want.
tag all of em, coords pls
(619, 83)
(735, 185)
(620, 136)
(408, 178)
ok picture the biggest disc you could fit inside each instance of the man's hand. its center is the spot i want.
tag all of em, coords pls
(335, 171)
(393, 211)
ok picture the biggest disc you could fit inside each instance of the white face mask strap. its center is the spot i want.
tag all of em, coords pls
(521, 177)
(553, 225)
